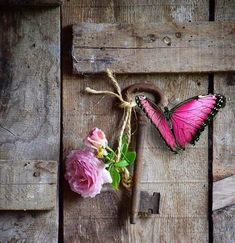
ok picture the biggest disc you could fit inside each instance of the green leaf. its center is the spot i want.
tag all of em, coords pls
(115, 177)
(130, 157)
(122, 163)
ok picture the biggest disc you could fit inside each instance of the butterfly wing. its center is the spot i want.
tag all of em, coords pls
(157, 117)
(191, 117)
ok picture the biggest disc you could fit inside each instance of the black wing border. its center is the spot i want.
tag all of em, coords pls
(220, 103)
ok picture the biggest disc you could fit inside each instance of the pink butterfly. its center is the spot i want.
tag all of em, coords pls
(184, 123)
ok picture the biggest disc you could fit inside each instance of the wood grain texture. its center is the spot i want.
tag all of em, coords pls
(183, 185)
(28, 185)
(154, 47)
(223, 143)
(224, 129)
(224, 193)
(29, 107)
(29, 3)
(224, 225)
(224, 10)
(182, 218)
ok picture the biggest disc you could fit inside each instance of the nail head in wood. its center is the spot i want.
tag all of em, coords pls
(36, 174)
(167, 40)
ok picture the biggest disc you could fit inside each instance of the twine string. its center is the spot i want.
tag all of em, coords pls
(126, 105)
(126, 120)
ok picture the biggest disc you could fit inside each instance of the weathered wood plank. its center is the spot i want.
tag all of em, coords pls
(182, 183)
(224, 193)
(188, 230)
(29, 107)
(106, 217)
(28, 185)
(224, 225)
(224, 129)
(154, 47)
(223, 143)
(224, 10)
(23, 3)
(181, 179)
(151, 35)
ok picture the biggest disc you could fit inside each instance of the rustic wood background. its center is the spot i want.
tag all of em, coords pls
(224, 144)
(30, 97)
(29, 112)
(182, 180)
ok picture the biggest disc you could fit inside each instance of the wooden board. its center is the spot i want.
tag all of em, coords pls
(28, 185)
(154, 47)
(223, 143)
(224, 225)
(30, 108)
(224, 129)
(35, 3)
(183, 185)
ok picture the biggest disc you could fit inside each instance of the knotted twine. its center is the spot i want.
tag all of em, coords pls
(126, 121)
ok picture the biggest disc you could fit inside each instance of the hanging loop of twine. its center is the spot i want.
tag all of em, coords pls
(126, 120)
(126, 105)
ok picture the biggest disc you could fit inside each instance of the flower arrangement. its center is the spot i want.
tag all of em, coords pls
(89, 168)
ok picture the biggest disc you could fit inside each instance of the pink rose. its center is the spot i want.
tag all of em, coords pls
(96, 139)
(85, 173)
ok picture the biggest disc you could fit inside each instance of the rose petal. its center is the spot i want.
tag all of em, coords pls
(85, 173)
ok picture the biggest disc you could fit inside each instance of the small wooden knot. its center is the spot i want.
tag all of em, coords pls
(36, 174)
(167, 40)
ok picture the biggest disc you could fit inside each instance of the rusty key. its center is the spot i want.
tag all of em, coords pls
(141, 132)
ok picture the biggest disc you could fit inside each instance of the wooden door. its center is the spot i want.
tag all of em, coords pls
(185, 180)
(31, 123)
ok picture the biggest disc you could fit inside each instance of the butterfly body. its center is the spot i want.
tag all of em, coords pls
(184, 123)
(167, 113)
